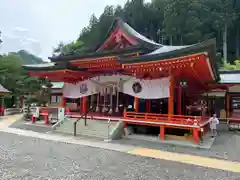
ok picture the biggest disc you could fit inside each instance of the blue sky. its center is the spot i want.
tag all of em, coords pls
(38, 26)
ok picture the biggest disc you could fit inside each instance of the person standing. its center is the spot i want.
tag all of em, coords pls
(213, 124)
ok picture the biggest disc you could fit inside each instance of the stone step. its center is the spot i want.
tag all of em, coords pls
(80, 128)
(94, 128)
(85, 131)
(98, 135)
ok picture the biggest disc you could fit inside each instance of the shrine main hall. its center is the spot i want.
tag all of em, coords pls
(140, 81)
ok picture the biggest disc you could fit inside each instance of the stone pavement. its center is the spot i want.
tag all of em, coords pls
(206, 144)
(6, 121)
(128, 149)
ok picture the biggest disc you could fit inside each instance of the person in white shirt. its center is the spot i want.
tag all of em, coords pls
(213, 124)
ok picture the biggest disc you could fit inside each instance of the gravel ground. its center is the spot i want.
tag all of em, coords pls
(226, 145)
(25, 158)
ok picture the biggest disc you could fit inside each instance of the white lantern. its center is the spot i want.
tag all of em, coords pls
(114, 90)
(108, 90)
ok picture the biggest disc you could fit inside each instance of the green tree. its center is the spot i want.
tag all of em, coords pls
(176, 22)
(234, 66)
(28, 58)
(183, 21)
(14, 78)
(69, 49)
(222, 13)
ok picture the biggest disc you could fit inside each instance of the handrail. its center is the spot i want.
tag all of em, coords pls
(109, 121)
(11, 111)
(75, 125)
(160, 123)
(155, 114)
(85, 121)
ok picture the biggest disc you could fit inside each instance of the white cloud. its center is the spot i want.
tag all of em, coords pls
(32, 40)
(21, 29)
(41, 25)
(9, 35)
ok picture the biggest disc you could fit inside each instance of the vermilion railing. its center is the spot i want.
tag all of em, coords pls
(163, 118)
(43, 111)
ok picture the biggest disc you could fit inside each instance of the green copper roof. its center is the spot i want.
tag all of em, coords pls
(3, 90)
(57, 85)
(230, 76)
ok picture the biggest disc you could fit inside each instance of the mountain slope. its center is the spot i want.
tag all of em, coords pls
(28, 58)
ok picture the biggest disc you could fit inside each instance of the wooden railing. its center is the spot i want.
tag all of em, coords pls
(11, 111)
(50, 114)
(163, 118)
(32, 110)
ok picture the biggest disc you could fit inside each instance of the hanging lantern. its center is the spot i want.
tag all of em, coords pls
(117, 91)
(120, 86)
(114, 90)
(110, 111)
(183, 83)
(104, 100)
(98, 98)
(101, 91)
(108, 90)
(111, 101)
(97, 89)
(91, 101)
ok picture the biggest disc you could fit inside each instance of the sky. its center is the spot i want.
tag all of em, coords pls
(38, 26)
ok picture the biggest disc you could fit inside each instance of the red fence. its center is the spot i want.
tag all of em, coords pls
(164, 118)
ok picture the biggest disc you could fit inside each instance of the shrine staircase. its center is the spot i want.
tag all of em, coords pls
(102, 129)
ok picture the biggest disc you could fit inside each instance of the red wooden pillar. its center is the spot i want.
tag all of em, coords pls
(148, 105)
(33, 119)
(63, 103)
(100, 99)
(84, 104)
(162, 132)
(80, 105)
(46, 119)
(171, 97)
(196, 137)
(136, 104)
(179, 100)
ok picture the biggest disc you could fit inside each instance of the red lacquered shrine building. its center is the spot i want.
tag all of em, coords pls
(138, 80)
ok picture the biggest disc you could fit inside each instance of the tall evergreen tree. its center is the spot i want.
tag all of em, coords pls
(175, 22)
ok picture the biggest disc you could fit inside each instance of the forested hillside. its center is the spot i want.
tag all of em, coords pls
(28, 58)
(14, 77)
(170, 22)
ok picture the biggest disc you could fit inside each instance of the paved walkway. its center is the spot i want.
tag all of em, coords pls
(158, 154)
(188, 159)
(6, 121)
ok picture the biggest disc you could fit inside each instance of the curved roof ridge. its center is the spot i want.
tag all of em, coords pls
(166, 48)
(138, 35)
(49, 64)
(170, 48)
(119, 22)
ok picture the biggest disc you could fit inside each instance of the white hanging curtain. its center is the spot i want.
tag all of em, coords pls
(145, 89)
